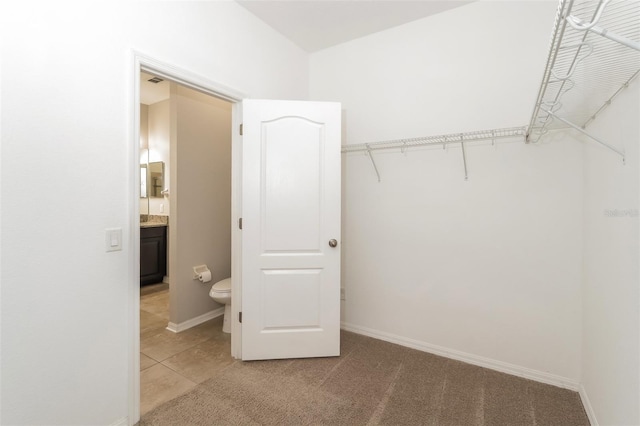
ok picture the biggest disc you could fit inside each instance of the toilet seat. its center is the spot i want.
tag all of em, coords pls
(221, 287)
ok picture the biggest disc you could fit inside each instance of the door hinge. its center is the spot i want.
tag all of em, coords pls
(240, 317)
(240, 223)
(241, 129)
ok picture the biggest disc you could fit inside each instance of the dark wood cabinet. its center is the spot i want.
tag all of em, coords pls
(153, 254)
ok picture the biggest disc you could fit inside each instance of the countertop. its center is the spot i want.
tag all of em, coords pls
(151, 224)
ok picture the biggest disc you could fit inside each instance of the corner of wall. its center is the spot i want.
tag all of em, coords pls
(588, 408)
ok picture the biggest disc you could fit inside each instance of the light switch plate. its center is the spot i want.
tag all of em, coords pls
(113, 239)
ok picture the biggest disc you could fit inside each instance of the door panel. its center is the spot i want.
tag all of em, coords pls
(303, 286)
(291, 209)
(292, 167)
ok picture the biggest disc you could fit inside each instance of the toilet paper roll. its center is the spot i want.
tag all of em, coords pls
(205, 276)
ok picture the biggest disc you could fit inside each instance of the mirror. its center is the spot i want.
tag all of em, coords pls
(155, 179)
(144, 192)
(143, 181)
(152, 180)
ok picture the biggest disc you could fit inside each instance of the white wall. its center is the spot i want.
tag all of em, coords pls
(470, 68)
(200, 226)
(64, 300)
(611, 314)
(488, 269)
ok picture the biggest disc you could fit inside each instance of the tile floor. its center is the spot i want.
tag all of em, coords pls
(172, 363)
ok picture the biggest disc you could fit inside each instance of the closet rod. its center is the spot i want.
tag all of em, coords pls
(443, 140)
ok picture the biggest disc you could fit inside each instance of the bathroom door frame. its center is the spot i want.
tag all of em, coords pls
(142, 62)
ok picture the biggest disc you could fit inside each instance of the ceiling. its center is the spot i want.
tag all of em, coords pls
(150, 93)
(318, 24)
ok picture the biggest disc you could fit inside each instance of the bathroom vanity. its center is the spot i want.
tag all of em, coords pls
(153, 253)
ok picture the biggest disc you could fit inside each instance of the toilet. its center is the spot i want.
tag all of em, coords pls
(221, 293)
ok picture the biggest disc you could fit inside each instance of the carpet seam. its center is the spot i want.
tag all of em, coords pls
(482, 397)
(531, 406)
(376, 416)
(330, 373)
(444, 388)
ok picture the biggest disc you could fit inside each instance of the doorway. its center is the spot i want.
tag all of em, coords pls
(297, 226)
(188, 157)
(194, 92)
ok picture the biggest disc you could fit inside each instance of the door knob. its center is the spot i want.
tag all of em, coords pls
(332, 243)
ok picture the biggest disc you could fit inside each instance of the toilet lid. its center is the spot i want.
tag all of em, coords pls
(222, 286)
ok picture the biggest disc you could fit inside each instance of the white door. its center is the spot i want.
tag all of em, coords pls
(291, 229)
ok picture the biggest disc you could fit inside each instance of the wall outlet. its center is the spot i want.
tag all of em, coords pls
(342, 294)
(161, 208)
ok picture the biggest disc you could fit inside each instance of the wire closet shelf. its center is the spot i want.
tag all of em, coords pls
(443, 140)
(402, 144)
(594, 56)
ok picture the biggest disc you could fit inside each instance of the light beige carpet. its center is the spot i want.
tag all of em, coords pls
(372, 382)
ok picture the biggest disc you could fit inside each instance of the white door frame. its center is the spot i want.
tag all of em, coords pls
(142, 62)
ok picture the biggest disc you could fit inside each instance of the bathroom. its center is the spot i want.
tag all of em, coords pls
(186, 140)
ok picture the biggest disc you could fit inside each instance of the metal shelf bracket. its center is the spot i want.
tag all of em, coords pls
(464, 157)
(373, 161)
(584, 132)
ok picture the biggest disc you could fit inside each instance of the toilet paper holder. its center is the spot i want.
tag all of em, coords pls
(199, 270)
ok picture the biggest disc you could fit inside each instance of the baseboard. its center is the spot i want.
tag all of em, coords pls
(121, 422)
(492, 364)
(177, 328)
(591, 414)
